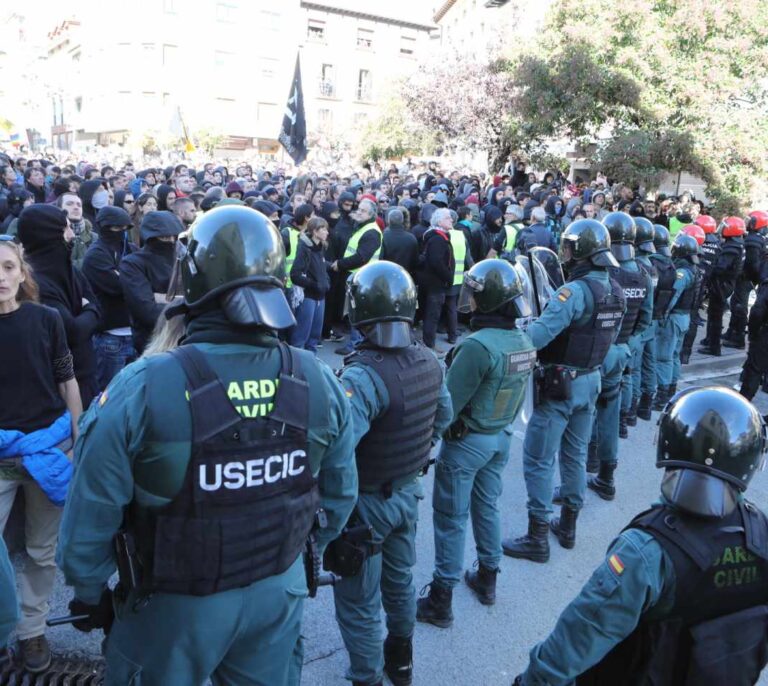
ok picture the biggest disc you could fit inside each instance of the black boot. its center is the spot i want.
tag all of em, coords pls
(623, 428)
(398, 660)
(593, 462)
(533, 546)
(564, 527)
(603, 484)
(685, 356)
(436, 607)
(483, 583)
(711, 349)
(644, 406)
(662, 397)
(672, 390)
(632, 413)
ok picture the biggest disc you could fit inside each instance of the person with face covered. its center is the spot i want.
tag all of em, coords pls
(145, 275)
(94, 195)
(101, 266)
(47, 238)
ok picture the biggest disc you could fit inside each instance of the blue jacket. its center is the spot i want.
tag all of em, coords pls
(46, 464)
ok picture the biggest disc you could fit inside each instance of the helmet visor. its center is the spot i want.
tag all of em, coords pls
(175, 285)
(623, 251)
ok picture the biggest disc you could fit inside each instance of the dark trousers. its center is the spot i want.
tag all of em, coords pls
(755, 367)
(433, 304)
(739, 308)
(449, 317)
(717, 304)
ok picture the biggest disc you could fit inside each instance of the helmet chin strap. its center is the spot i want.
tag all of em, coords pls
(699, 493)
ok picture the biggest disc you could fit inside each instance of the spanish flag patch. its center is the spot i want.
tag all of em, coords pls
(348, 393)
(616, 564)
(564, 294)
(103, 398)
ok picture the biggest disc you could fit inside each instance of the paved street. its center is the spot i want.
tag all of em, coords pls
(488, 646)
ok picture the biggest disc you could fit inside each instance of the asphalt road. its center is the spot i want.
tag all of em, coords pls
(486, 646)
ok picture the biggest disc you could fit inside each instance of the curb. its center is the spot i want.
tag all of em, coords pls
(707, 367)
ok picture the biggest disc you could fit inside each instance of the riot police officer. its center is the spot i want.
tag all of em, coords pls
(487, 379)
(679, 298)
(637, 286)
(708, 252)
(207, 466)
(573, 336)
(644, 367)
(754, 249)
(723, 276)
(398, 398)
(756, 365)
(681, 595)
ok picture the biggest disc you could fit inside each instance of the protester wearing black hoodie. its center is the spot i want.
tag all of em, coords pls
(482, 238)
(113, 341)
(94, 196)
(437, 273)
(146, 274)
(46, 237)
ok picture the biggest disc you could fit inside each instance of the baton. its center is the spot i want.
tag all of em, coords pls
(65, 619)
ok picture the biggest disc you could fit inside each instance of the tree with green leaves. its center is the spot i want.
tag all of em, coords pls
(665, 85)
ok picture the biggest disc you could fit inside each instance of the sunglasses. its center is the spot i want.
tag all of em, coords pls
(128, 202)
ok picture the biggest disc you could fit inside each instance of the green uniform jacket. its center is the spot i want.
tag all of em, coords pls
(485, 390)
(118, 444)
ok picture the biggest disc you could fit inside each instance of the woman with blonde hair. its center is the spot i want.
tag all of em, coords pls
(166, 335)
(310, 272)
(39, 408)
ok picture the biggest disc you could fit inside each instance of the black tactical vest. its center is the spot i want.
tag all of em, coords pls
(754, 248)
(709, 250)
(635, 287)
(662, 296)
(687, 299)
(585, 346)
(248, 499)
(716, 631)
(399, 441)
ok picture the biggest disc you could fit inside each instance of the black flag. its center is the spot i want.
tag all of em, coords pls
(293, 134)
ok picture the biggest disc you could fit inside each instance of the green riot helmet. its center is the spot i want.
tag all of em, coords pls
(661, 240)
(381, 302)
(644, 233)
(494, 286)
(622, 229)
(711, 441)
(586, 240)
(685, 246)
(235, 255)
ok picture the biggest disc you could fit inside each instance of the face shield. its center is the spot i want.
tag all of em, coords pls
(175, 286)
(467, 302)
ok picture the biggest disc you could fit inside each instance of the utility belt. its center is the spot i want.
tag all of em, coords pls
(555, 382)
(346, 554)
(132, 578)
(390, 487)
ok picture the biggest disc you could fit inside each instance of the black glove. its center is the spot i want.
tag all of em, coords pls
(100, 616)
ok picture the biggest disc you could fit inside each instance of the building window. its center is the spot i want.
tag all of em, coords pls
(407, 45)
(325, 120)
(170, 53)
(225, 108)
(269, 67)
(166, 99)
(169, 6)
(316, 31)
(360, 119)
(270, 21)
(226, 12)
(364, 89)
(148, 95)
(149, 55)
(365, 38)
(78, 106)
(327, 82)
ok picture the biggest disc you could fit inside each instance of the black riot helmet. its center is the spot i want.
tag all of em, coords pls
(661, 240)
(621, 227)
(494, 286)
(381, 302)
(685, 246)
(644, 234)
(586, 240)
(711, 441)
(235, 256)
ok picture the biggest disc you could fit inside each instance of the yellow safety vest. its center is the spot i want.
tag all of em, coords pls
(511, 230)
(459, 245)
(293, 242)
(354, 241)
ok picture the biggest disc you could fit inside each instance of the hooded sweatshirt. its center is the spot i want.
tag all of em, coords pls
(86, 192)
(63, 287)
(482, 238)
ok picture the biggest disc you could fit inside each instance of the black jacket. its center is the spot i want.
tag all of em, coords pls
(310, 270)
(401, 247)
(101, 267)
(437, 260)
(142, 274)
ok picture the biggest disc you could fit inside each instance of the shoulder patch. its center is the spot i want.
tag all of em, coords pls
(615, 563)
(103, 398)
(563, 294)
(680, 274)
